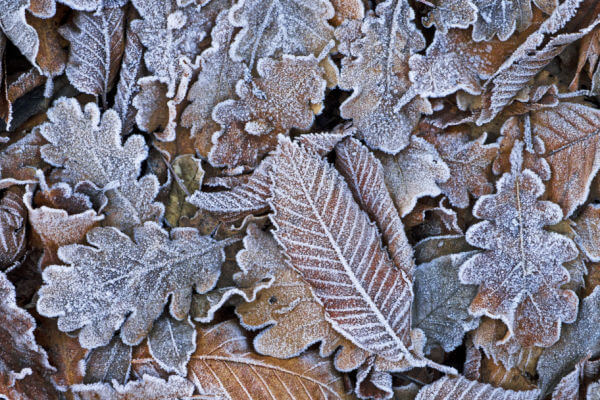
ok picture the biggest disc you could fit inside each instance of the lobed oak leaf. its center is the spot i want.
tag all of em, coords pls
(172, 342)
(13, 229)
(120, 283)
(470, 164)
(148, 388)
(89, 149)
(413, 173)
(338, 251)
(470, 390)
(521, 270)
(108, 363)
(285, 307)
(375, 68)
(24, 369)
(276, 27)
(265, 109)
(451, 14)
(365, 177)
(224, 366)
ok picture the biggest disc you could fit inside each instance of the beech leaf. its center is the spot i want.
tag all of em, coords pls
(470, 390)
(108, 363)
(172, 342)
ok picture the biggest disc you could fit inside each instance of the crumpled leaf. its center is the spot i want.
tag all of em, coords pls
(281, 98)
(108, 363)
(15, 27)
(451, 14)
(589, 50)
(470, 390)
(275, 27)
(102, 284)
(97, 43)
(568, 387)
(19, 160)
(375, 68)
(172, 342)
(285, 306)
(470, 164)
(24, 368)
(225, 366)
(13, 229)
(313, 214)
(89, 149)
(413, 173)
(149, 388)
(576, 342)
(441, 302)
(216, 81)
(187, 175)
(521, 270)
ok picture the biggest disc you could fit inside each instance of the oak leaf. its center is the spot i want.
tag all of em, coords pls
(521, 270)
(103, 284)
(451, 14)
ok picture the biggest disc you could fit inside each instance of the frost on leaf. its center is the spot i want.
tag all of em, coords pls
(148, 388)
(577, 341)
(108, 363)
(470, 164)
(97, 43)
(120, 283)
(498, 17)
(224, 366)
(13, 229)
(338, 251)
(470, 390)
(587, 228)
(24, 368)
(172, 342)
(375, 68)
(216, 81)
(451, 14)
(172, 36)
(365, 177)
(16, 28)
(281, 98)
(88, 148)
(441, 302)
(285, 306)
(275, 27)
(414, 172)
(521, 270)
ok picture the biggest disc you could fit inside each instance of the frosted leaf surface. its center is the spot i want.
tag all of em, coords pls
(281, 98)
(470, 164)
(127, 88)
(172, 36)
(224, 366)
(108, 363)
(323, 143)
(151, 105)
(24, 367)
(375, 68)
(451, 14)
(102, 284)
(13, 229)
(466, 389)
(275, 27)
(587, 228)
(413, 173)
(441, 302)
(89, 148)
(148, 388)
(19, 160)
(172, 342)
(97, 43)
(286, 306)
(501, 18)
(216, 81)
(576, 342)
(568, 387)
(521, 270)
(365, 297)
(365, 177)
(16, 28)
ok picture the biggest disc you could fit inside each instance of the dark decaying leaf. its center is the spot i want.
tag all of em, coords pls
(108, 363)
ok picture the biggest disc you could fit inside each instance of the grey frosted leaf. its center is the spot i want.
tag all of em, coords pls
(149, 388)
(275, 27)
(172, 342)
(120, 283)
(375, 67)
(451, 14)
(13, 229)
(97, 42)
(89, 149)
(15, 27)
(103, 364)
(131, 70)
(461, 388)
(217, 78)
(577, 341)
(441, 303)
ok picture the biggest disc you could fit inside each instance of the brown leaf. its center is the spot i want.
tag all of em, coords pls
(51, 56)
(19, 161)
(589, 50)
(13, 241)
